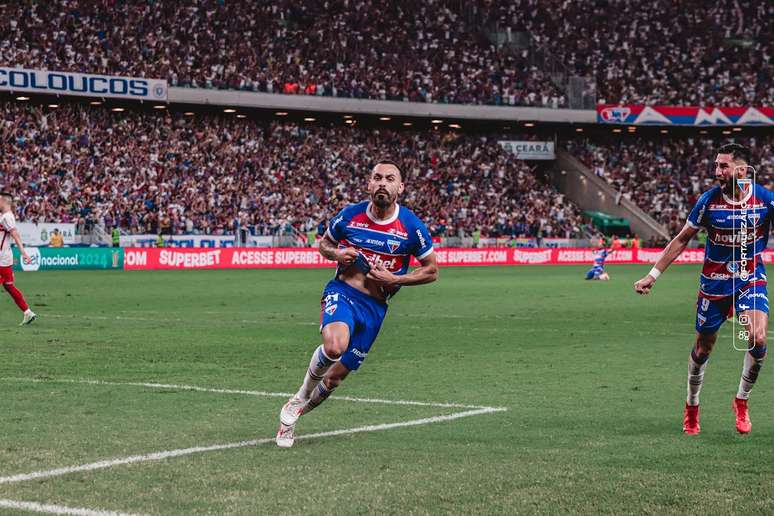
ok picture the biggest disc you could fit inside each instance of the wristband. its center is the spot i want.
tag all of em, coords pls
(655, 273)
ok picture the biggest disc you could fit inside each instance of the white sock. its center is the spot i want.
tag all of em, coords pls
(695, 377)
(28, 312)
(750, 369)
(318, 366)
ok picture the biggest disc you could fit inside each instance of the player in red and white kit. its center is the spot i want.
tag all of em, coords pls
(7, 233)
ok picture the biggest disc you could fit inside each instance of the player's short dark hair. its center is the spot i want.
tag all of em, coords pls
(389, 161)
(7, 195)
(737, 151)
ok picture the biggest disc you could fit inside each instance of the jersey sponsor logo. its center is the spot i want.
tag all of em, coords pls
(397, 232)
(358, 353)
(374, 242)
(375, 259)
(700, 215)
(733, 238)
(422, 241)
(393, 245)
(336, 221)
(719, 276)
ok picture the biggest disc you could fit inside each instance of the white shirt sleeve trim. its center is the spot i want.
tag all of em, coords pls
(425, 254)
(694, 226)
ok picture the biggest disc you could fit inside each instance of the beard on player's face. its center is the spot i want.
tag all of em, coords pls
(383, 198)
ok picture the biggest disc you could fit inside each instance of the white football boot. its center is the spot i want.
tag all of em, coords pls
(286, 436)
(289, 415)
(29, 316)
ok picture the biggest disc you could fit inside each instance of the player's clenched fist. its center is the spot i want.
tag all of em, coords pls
(644, 285)
(346, 256)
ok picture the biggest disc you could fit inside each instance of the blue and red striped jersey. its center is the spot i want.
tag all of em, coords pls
(390, 242)
(737, 234)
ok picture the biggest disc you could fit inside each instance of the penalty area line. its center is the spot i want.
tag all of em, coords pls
(196, 388)
(56, 509)
(162, 455)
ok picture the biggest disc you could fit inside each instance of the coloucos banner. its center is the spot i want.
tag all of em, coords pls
(529, 150)
(49, 258)
(80, 84)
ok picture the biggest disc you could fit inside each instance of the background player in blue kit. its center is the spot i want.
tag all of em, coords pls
(737, 217)
(372, 242)
(597, 271)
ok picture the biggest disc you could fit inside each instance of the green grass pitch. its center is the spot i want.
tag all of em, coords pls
(593, 377)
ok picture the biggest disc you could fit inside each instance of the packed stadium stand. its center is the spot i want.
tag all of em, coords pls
(665, 176)
(690, 52)
(152, 172)
(373, 49)
(436, 51)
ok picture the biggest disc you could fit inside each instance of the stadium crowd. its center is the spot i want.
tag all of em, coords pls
(661, 52)
(665, 177)
(170, 173)
(376, 49)
(433, 51)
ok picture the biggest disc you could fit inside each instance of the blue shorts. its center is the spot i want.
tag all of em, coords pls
(594, 273)
(711, 314)
(362, 313)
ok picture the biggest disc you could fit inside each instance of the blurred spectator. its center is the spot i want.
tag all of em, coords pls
(56, 239)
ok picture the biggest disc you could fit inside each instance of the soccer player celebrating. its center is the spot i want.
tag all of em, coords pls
(372, 242)
(597, 271)
(8, 232)
(736, 214)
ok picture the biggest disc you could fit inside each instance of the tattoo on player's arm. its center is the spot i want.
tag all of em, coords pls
(328, 248)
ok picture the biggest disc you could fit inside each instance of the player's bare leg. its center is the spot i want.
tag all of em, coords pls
(697, 362)
(756, 324)
(335, 337)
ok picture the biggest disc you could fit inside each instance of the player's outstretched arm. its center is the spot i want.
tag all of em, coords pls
(670, 254)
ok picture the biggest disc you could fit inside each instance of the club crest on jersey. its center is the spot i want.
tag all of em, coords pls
(331, 309)
(754, 218)
(393, 245)
(745, 185)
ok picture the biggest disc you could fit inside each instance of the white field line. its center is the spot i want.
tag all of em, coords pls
(56, 509)
(195, 388)
(218, 447)
(171, 320)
